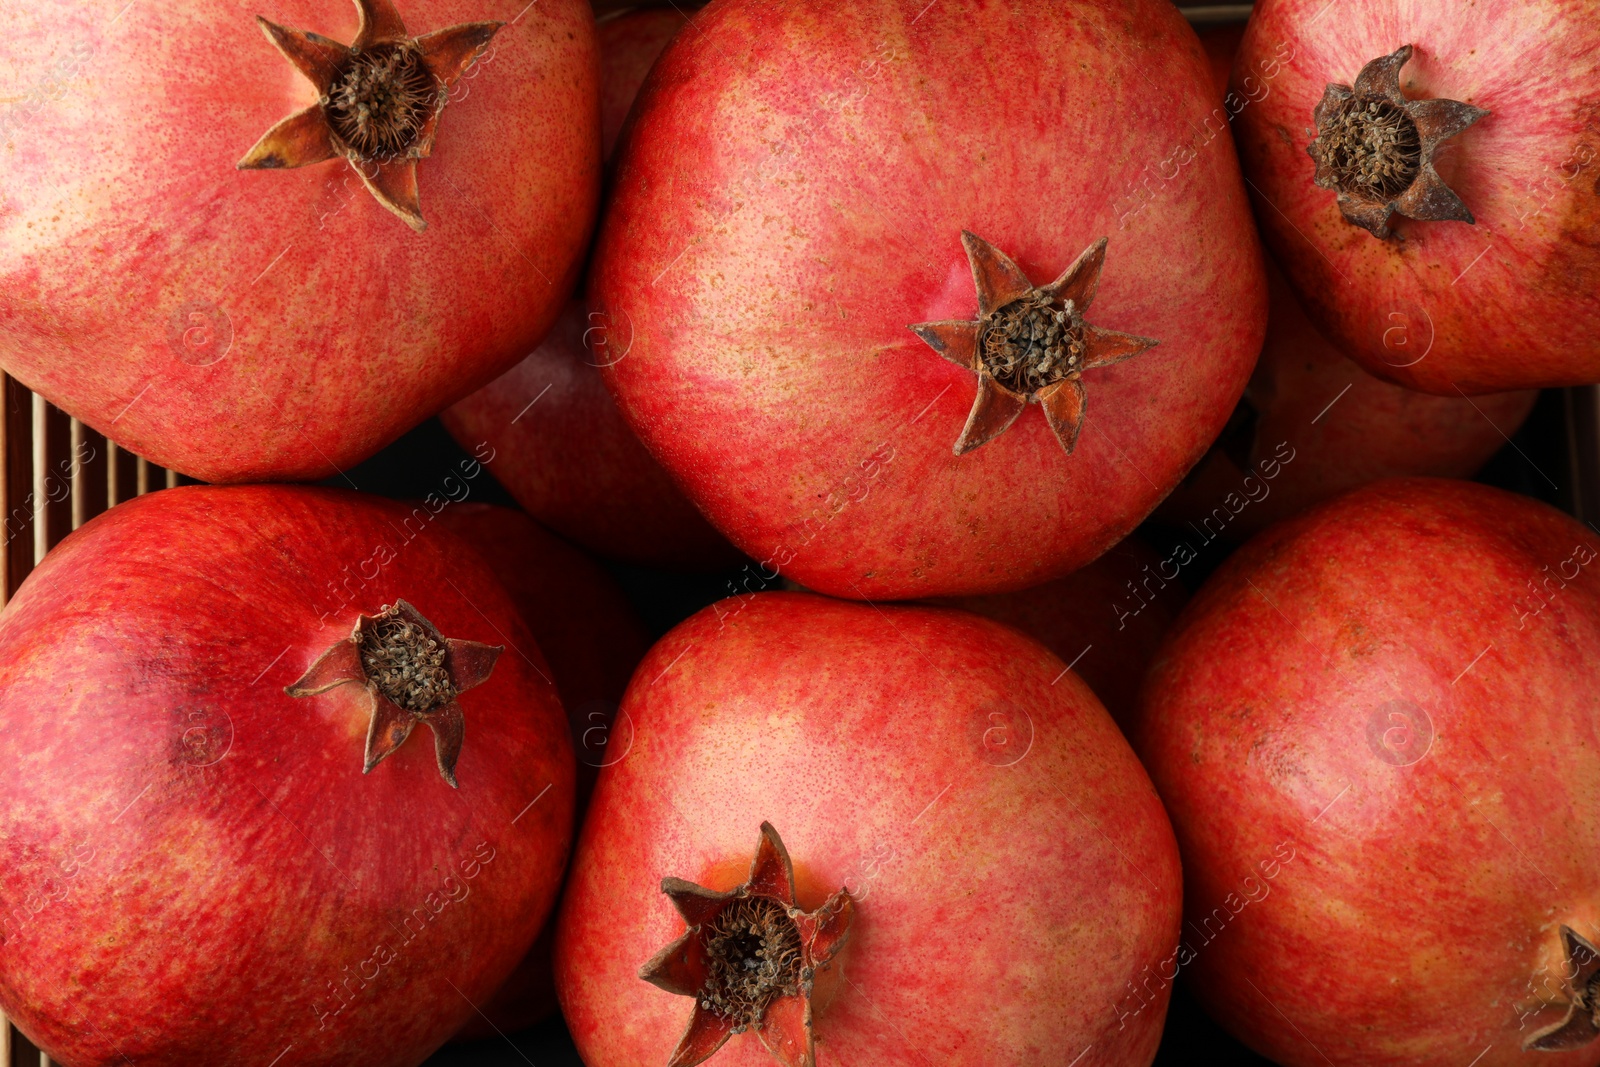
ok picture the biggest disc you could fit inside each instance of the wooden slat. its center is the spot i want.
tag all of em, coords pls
(41, 476)
(5, 556)
(172, 479)
(80, 491)
(1583, 450)
(142, 478)
(112, 486)
(6, 430)
(1214, 14)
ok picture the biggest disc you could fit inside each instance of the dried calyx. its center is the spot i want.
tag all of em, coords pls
(1581, 1024)
(1028, 344)
(412, 674)
(750, 959)
(405, 662)
(379, 99)
(1375, 148)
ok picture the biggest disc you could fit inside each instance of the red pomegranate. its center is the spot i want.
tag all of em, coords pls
(959, 814)
(1105, 621)
(565, 452)
(226, 838)
(592, 639)
(1343, 427)
(800, 233)
(1428, 179)
(246, 321)
(1374, 729)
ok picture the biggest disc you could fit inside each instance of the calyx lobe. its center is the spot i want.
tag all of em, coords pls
(1375, 148)
(750, 958)
(1581, 1024)
(412, 674)
(379, 100)
(1028, 344)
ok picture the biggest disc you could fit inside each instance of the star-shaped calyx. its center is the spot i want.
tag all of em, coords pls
(1028, 344)
(1582, 1022)
(412, 673)
(749, 959)
(379, 100)
(1375, 148)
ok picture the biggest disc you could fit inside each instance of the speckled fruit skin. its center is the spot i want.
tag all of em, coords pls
(791, 197)
(1346, 428)
(572, 461)
(1093, 620)
(191, 861)
(1012, 866)
(1434, 846)
(1427, 311)
(261, 325)
(592, 640)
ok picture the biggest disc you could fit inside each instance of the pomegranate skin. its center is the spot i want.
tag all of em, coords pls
(578, 615)
(563, 450)
(630, 41)
(1379, 755)
(278, 324)
(193, 864)
(572, 461)
(1512, 302)
(1345, 427)
(592, 639)
(781, 220)
(1012, 867)
(1093, 620)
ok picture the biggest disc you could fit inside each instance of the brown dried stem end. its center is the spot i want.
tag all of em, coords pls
(1373, 149)
(1029, 343)
(381, 100)
(405, 662)
(752, 958)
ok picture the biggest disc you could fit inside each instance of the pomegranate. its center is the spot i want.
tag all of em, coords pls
(1441, 230)
(589, 634)
(1374, 731)
(580, 618)
(798, 236)
(1105, 621)
(921, 814)
(228, 841)
(1345, 427)
(251, 321)
(572, 461)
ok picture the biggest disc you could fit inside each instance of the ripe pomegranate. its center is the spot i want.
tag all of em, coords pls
(565, 452)
(228, 840)
(248, 321)
(592, 639)
(1374, 730)
(580, 618)
(955, 809)
(1345, 428)
(1442, 229)
(797, 237)
(1106, 620)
